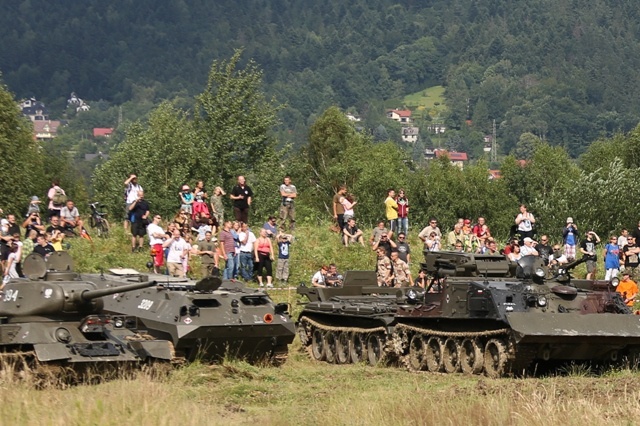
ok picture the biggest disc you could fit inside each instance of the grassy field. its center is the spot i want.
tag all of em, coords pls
(430, 100)
(304, 392)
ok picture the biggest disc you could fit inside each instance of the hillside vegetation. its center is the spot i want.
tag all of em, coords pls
(565, 70)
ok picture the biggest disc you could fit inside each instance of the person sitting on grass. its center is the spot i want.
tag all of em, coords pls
(351, 233)
(628, 289)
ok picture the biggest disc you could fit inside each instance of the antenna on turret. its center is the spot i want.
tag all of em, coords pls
(102, 277)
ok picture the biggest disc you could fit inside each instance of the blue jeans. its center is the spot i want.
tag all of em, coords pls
(229, 266)
(403, 225)
(246, 265)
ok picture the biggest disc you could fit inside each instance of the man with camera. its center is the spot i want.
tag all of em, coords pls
(178, 249)
(588, 250)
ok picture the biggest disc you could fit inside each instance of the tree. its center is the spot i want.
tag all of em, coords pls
(165, 153)
(21, 163)
(233, 119)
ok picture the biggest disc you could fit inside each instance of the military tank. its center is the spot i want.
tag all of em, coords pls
(58, 329)
(351, 323)
(206, 320)
(496, 316)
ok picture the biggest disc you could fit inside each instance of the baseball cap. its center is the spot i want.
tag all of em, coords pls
(569, 220)
(467, 221)
(35, 198)
(528, 240)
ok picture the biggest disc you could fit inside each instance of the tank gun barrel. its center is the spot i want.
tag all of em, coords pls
(94, 294)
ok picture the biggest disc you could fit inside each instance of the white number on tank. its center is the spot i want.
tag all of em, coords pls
(10, 296)
(145, 304)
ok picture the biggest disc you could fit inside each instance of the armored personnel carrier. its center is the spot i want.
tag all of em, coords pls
(207, 320)
(58, 327)
(495, 316)
(351, 323)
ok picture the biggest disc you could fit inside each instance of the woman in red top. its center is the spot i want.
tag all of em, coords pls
(263, 252)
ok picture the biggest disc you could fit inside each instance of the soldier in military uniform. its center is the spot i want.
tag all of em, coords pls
(384, 270)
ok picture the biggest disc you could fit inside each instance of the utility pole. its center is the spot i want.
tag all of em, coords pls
(494, 144)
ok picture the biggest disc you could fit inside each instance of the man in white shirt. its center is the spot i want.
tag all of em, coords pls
(178, 249)
(528, 249)
(156, 238)
(131, 188)
(246, 238)
(70, 217)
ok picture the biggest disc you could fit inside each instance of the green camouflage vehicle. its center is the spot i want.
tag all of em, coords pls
(53, 325)
(207, 320)
(495, 316)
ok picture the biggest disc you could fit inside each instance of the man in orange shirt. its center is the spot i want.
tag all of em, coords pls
(628, 289)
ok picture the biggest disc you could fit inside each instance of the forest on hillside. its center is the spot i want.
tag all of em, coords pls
(566, 71)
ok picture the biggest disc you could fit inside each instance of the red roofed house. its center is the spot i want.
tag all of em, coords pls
(45, 129)
(400, 115)
(102, 131)
(494, 174)
(456, 158)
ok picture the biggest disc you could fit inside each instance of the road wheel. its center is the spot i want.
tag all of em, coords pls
(495, 358)
(318, 347)
(451, 356)
(416, 360)
(471, 357)
(374, 348)
(357, 348)
(342, 348)
(433, 354)
(330, 346)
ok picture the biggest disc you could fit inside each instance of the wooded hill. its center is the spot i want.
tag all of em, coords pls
(567, 71)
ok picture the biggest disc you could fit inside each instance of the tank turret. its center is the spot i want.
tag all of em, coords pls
(56, 299)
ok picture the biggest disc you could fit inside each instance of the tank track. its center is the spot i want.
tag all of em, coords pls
(493, 352)
(342, 345)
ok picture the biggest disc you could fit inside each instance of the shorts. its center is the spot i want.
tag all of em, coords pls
(175, 269)
(138, 228)
(158, 254)
(591, 266)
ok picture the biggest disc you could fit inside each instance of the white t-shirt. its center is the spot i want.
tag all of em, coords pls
(176, 250)
(319, 277)
(248, 246)
(525, 223)
(132, 192)
(152, 228)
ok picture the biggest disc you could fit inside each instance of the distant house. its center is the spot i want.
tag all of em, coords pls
(410, 134)
(35, 110)
(437, 128)
(399, 115)
(44, 130)
(104, 132)
(494, 174)
(456, 158)
(352, 117)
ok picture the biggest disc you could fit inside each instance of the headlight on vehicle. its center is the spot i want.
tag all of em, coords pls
(540, 273)
(542, 301)
(615, 281)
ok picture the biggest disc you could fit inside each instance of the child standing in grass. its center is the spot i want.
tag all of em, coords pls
(282, 268)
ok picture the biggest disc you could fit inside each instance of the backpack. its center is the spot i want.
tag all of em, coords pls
(59, 198)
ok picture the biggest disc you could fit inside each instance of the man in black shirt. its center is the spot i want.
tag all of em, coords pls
(139, 212)
(544, 249)
(43, 248)
(630, 255)
(242, 196)
(403, 249)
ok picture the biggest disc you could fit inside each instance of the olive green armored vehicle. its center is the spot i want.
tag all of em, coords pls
(207, 320)
(495, 316)
(351, 323)
(54, 323)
